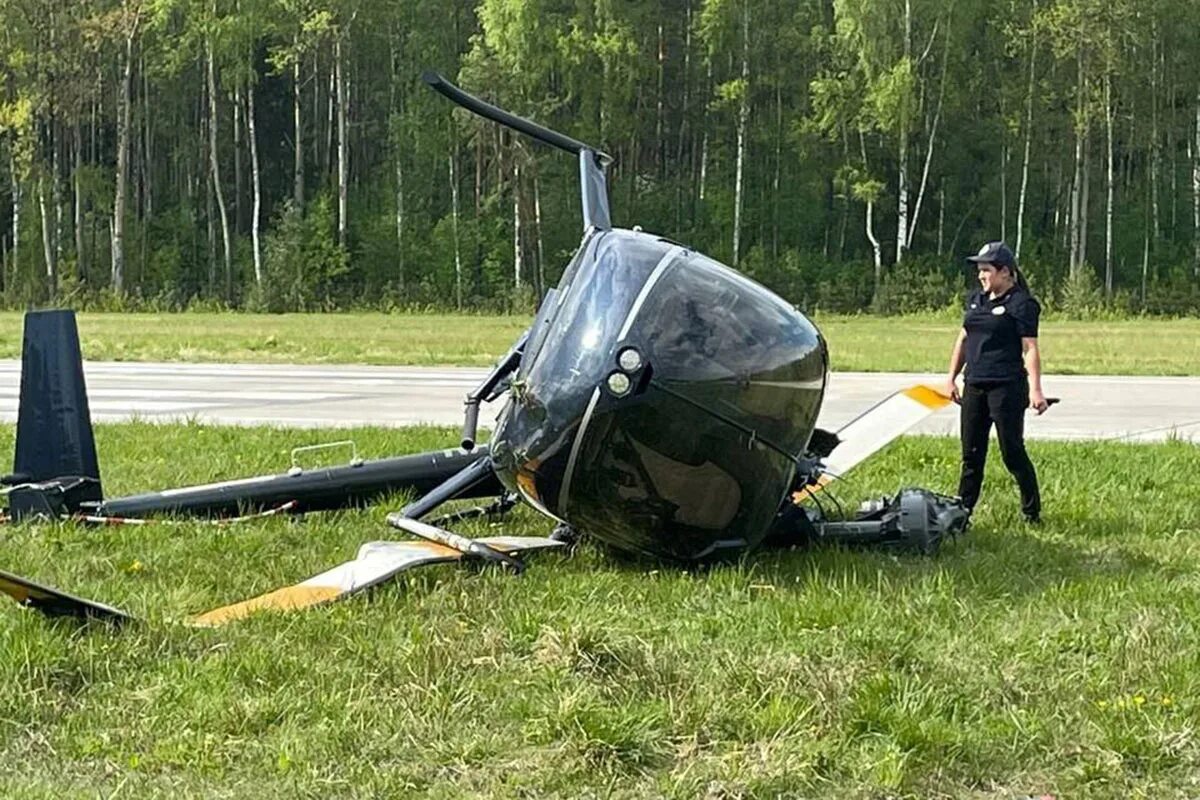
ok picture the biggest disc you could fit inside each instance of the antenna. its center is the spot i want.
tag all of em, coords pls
(592, 161)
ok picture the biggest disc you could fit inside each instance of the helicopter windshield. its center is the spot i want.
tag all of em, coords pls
(696, 453)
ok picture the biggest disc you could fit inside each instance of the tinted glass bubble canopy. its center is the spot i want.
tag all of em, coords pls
(662, 400)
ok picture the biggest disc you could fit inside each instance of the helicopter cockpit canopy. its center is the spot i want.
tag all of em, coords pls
(662, 400)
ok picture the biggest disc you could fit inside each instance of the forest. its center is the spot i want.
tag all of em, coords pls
(284, 154)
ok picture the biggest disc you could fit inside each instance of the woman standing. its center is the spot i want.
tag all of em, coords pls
(998, 346)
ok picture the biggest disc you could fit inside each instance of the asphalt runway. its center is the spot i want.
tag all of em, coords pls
(1127, 408)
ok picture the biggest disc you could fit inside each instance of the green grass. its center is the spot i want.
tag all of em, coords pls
(363, 338)
(1060, 659)
(871, 344)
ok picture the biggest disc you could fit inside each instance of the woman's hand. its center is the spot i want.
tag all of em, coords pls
(952, 391)
(1037, 401)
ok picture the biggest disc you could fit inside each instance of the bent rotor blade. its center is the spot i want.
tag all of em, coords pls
(55, 603)
(470, 547)
(875, 428)
(375, 563)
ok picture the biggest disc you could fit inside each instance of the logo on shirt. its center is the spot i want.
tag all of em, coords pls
(998, 310)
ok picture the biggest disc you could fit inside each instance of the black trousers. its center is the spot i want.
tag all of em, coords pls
(1003, 404)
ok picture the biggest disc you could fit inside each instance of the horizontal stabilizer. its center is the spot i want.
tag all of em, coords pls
(54, 603)
(375, 563)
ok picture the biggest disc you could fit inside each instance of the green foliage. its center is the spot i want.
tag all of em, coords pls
(811, 282)
(1175, 295)
(302, 261)
(918, 285)
(841, 97)
(1082, 296)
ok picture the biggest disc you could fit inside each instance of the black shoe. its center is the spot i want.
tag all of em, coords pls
(1033, 519)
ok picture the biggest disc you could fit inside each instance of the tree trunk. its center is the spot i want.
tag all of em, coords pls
(343, 112)
(205, 175)
(92, 149)
(743, 119)
(1108, 187)
(47, 236)
(1085, 201)
(930, 145)
(215, 174)
(902, 232)
(56, 186)
(516, 198)
(400, 220)
(846, 205)
(941, 220)
(1145, 259)
(1077, 182)
(1155, 156)
(684, 112)
(478, 176)
(1004, 186)
(1025, 158)
(776, 177)
(875, 248)
(80, 254)
(256, 210)
(117, 278)
(453, 159)
(298, 133)
(237, 160)
(537, 227)
(1196, 192)
(147, 146)
(660, 147)
(1173, 170)
(704, 138)
(16, 215)
(330, 118)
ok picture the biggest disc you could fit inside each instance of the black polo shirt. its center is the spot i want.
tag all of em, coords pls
(994, 332)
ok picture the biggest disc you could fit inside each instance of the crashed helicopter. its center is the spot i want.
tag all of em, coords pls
(660, 402)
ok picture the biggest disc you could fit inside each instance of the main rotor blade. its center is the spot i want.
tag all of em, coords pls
(375, 563)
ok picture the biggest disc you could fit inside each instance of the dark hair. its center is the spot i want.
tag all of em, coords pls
(1018, 276)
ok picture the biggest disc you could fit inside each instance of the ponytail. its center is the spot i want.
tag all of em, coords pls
(1019, 278)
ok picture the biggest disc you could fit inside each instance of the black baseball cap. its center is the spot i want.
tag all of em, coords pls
(995, 253)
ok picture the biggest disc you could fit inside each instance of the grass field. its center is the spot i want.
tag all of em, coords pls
(872, 344)
(1058, 659)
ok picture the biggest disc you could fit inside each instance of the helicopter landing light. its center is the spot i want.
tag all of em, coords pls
(619, 384)
(629, 359)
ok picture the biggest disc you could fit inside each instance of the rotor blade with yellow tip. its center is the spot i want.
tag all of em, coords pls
(875, 428)
(375, 563)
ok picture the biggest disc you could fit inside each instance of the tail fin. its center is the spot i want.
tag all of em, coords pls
(54, 425)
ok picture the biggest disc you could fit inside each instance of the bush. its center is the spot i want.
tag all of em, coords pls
(1175, 295)
(1082, 295)
(917, 285)
(302, 261)
(811, 282)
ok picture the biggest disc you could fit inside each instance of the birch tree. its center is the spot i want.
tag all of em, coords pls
(129, 19)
